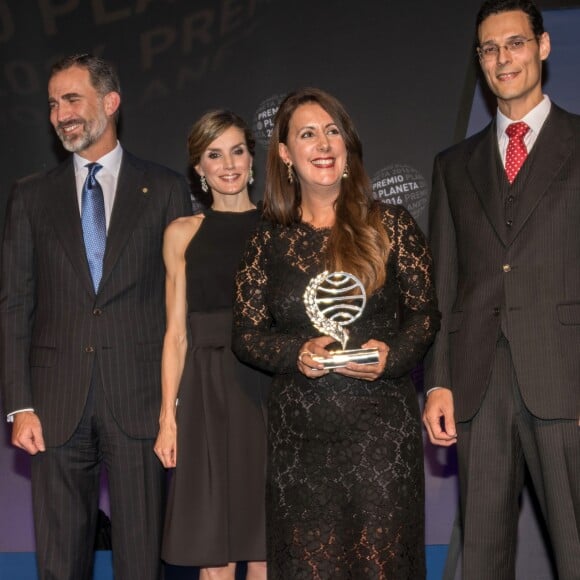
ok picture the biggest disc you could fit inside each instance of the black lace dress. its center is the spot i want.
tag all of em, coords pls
(345, 488)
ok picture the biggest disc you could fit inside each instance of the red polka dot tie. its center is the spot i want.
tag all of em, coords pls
(516, 150)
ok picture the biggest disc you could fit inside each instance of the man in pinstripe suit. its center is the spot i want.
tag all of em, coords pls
(81, 366)
(504, 373)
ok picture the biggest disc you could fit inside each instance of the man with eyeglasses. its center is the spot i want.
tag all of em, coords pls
(503, 376)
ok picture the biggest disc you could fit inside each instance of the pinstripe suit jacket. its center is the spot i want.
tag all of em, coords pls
(54, 327)
(527, 274)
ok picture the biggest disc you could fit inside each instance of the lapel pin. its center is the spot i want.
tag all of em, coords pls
(145, 190)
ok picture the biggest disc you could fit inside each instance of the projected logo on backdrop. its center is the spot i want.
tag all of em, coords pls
(264, 119)
(401, 184)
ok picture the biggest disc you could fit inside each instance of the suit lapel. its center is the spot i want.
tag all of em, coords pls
(482, 168)
(63, 208)
(551, 150)
(130, 201)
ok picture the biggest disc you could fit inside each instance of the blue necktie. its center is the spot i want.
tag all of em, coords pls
(94, 224)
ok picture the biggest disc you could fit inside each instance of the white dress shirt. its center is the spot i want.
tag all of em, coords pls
(535, 120)
(107, 177)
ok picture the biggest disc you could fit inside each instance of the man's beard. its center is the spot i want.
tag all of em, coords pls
(91, 133)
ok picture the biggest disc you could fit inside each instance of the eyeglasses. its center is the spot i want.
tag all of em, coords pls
(491, 51)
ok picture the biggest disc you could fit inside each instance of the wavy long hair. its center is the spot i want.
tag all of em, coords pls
(358, 242)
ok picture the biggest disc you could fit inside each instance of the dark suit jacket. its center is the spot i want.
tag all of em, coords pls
(53, 327)
(527, 273)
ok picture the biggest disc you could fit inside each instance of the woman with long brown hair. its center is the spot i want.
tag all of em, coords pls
(345, 475)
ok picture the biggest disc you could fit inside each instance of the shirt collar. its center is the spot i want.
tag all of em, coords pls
(111, 162)
(534, 119)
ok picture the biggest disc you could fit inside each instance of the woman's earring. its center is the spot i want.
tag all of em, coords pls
(251, 178)
(204, 186)
(345, 171)
(290, 174)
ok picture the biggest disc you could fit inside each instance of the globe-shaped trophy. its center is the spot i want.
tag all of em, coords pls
(334, 300)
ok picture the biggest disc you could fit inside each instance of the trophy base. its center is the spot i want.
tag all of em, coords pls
(340, 358)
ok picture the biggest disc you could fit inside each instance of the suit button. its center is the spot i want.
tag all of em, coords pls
(509, 223)
(89, 349)
(506, 268)
(496, 311)
(510, 199)
(97, 312)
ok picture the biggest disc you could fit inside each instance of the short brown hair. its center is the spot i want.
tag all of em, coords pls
(209, 127)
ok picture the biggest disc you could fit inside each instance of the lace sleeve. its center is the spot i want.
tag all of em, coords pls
(255, 340)
(419, 314)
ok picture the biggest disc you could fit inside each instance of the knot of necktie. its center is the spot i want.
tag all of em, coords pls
(93, 168)
(517, 130)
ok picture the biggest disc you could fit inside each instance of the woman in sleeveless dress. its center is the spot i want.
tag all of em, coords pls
(213, 416)
(345, 497)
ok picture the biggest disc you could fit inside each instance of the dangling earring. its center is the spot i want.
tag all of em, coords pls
(290, 175)
(345, 171)
(251, 178)
(204, 186)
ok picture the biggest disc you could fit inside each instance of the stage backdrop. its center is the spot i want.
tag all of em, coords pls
(404, 70)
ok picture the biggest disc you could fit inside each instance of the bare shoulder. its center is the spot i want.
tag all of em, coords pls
(184, 227)
(180, 232)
